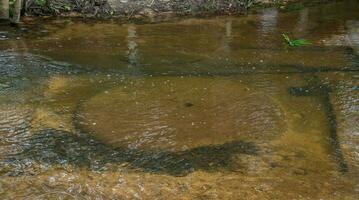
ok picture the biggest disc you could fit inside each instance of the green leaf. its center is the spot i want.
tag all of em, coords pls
(301, 42)
(295, 43)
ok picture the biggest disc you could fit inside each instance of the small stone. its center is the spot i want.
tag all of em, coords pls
(188, 104)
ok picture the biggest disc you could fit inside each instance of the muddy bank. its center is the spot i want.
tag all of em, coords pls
(140, 9)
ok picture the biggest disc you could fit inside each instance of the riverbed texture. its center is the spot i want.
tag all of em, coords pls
(196, 108)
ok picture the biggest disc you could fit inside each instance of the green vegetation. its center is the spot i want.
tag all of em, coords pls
(40, 2)
(67, 7)
(297, 42)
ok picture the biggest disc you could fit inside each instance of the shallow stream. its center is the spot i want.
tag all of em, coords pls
(211, 108)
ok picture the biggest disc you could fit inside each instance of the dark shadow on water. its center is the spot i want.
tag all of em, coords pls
(55, 147)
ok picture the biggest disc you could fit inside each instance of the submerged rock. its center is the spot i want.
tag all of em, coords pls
(150, 114)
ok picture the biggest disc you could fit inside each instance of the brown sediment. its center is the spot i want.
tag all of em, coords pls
(128, 114)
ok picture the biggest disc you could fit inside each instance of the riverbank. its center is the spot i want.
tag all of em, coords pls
(154, 9)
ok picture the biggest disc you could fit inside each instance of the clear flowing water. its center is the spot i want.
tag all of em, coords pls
(214, 108)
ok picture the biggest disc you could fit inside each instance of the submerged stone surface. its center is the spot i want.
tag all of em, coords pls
(155, 113)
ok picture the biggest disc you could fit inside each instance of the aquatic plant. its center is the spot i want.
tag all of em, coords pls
(297, 42)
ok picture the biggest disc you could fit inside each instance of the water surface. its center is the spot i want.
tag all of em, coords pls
(216, 108)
